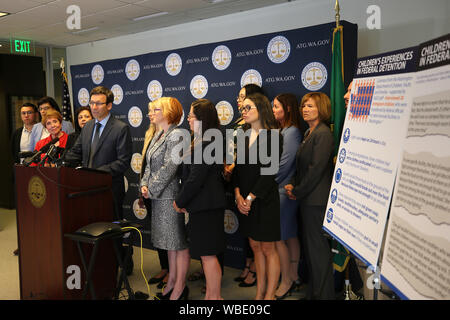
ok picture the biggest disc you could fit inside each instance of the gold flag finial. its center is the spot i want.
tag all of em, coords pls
(337, 9)
(61, 64)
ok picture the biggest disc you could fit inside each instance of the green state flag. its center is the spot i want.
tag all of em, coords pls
(337, 120)
(337, 87)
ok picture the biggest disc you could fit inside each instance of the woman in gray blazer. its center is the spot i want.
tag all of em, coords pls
(160, 184)
(311, 186)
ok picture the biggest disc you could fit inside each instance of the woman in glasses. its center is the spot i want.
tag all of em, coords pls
(39, 131)
(202, 195)
(160, 184)
(256, 191)
(247, 277)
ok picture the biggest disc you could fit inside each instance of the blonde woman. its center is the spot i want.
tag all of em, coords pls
(160, 184)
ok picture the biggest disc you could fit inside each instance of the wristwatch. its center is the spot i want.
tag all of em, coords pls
(249, 198)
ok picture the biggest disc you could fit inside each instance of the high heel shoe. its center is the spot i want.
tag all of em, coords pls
(161, 296)
(185, 294)
(289, 292)
(245, 284)
(240, 279)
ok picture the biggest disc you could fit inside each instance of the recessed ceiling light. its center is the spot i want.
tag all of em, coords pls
(2, 14)
(150, 16)
(85, 30)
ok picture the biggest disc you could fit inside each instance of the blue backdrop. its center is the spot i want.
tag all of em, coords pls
(296, 61)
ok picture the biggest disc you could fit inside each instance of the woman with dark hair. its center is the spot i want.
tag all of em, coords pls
(286, 112)
(82, 115)
(247, 277)
(202, 196)
(39, 132)
(310, 185)
(256, 191)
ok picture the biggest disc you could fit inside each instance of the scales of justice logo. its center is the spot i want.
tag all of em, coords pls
(37, 192)
(135, 116)
(314, 76)
(154, 90)
(231, 222)
(221, 57)
(225, 112)
(83, 97)
(199, 86)
(251, 76)
(173, 64)
(118, 94)
(97, 74)
(139, 212)
(278, 49)
(136, 162)
(132, 69)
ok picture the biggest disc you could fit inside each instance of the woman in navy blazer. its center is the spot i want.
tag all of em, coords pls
(202, 196)
(311, 186)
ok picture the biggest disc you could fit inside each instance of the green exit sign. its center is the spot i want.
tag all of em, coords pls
(22, 46)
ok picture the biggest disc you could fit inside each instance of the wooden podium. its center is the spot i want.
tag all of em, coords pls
(50, 203)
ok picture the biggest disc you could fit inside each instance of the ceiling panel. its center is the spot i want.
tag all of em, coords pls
(45, 20)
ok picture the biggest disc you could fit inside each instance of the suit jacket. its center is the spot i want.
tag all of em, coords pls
(15, 144)
(314, 167)
(160, 174)
(202, 187)
(113, 153)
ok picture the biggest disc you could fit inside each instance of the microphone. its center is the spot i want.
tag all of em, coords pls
(37, 154)
(26, 154)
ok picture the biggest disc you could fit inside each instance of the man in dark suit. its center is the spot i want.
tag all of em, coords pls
(20, 137)
(105, 144)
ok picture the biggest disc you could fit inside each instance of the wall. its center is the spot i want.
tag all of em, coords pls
(404, 23)
(20, 76)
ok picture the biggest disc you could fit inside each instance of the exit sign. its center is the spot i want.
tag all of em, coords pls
(22, 46)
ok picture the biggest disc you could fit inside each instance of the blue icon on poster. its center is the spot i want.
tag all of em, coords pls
(346, 135)
(338, 175)
(329, 215)
(334, 195)
(342, 155)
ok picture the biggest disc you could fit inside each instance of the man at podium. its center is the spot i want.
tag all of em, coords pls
(104, 144)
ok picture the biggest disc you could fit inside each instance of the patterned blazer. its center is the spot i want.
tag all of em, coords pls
(160, 174)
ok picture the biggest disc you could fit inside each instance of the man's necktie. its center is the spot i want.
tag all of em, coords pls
(94, 143)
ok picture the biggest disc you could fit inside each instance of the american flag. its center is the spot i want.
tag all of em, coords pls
(66, 107)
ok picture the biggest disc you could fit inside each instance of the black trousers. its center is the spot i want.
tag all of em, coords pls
(317, 254)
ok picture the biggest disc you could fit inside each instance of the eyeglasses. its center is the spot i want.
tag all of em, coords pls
(95, 103)
(27, 113)
(246, 108)
(44, 108)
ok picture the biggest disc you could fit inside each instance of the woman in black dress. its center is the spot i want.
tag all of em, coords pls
(256, 191)
(202, 196)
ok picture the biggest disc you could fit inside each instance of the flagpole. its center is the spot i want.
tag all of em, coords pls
(64, 75)
(337, 16)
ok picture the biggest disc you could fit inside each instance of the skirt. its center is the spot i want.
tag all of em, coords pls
(206, 233)
(168, 226)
